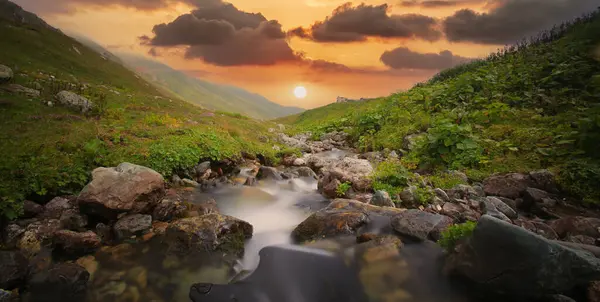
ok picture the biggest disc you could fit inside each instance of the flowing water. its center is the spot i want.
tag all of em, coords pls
(274, 209)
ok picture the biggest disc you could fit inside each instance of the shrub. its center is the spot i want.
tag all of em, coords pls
(455, 233)
(390, 176)
(581, 178)
(453, 145)
(423, 195)
(342, 189)
(445, 180)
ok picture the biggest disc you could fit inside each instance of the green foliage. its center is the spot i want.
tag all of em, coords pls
(390, 176)
(445, 180)
(342, 189)
(453, 145)
(423, 196)
(581, 178)
(455, 233)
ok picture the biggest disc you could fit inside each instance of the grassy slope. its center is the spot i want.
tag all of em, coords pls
(51, 150)
(529, 107)
(206, 94)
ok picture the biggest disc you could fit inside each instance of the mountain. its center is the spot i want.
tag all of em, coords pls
(49, 149)
(206, 94)
(530, 106)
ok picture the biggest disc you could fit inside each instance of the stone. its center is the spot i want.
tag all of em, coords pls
(36, 235)
(382, 199)
(560, 298)
(512, 203)
(63, 282)
(299, 162)
(55, 207)
(441, 194)
(538, 201)
(72, 220)
(11, 235)
(330, 190)
(127, 188)
(132, 225)
(503, 207)
(189, 183)
(19, 89)
(294, 142)
(408, 195)
(6, 296)
(509, 185)
(462, 191)
(581, 239)
(537, 227)
(508, 259)
(13, 269)
(207, 233)
(341, 217)
(31, 209)
(168, 209)
(176, 180)
(265, 172)
(544, 180)
(458, 174)
(353, 170)
(593, 291)
(489, 208)
(201, 168)
(77, 242)
(576, 225)
(250, 181)
(420, 225)
(74, 100)
(6, 74)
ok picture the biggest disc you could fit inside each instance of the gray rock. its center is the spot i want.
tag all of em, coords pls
(537, 227)
(560, 298)
(408, 195)
(420, 225)
(393, 155)
(508, 185)
(268, 173)
(544, 180)
(502, 207)
(202, 168)
(352, 170)
(6, 74)
(508, 259)
(294, 142)
(63, 282)
(127, 188)
(11, 235)
(176, 180)
(132, 225)
(330, 187)
(537, 200)
(441, 194)
(250, 181)
(18, 89)
(460, 175)
(13, 269)
(71, 219)
(382, 199)
(168, 209)
(298, 162)
(306, 172)
(462, 191)
(77, 242)
(74, 100)
(512, 203)
(56, 206)
(489, 208)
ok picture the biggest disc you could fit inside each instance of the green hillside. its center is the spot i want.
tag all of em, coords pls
(206, 94)
(530, 106)
(50, 150)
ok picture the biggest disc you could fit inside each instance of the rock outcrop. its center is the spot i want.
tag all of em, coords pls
(6, 74)
(73, 100)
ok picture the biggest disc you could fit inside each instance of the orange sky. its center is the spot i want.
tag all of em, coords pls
(118, 26)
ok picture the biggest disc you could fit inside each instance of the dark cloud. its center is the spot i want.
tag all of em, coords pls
(440, 3)
(404, 58)
(223, 35)
(69, 6)
(356, 23)
(513, 20)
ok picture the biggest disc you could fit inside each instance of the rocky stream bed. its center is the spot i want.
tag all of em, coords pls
(132, 236)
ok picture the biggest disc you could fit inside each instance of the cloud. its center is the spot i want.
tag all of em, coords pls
(356, 23)
(439, 3)
(512, 20)
(69, 6)
(404, 58)
(221, 34)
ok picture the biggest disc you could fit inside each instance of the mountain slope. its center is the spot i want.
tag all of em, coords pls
(50, 150)
(206, 94)
(531, 106)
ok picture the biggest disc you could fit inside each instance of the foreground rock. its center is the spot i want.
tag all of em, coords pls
(505, 258)
(207, 233)
(341, 217)
(73, 100)
(63, 282)
(348, 170)
(421, 225)
(13, 269)
(127, 188)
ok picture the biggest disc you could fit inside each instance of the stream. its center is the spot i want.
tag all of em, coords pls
(274, 208)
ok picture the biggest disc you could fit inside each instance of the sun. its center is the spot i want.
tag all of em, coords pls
(300, 92)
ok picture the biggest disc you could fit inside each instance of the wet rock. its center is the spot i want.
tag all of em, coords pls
(104, 231)
(201, 168)
(207, 233)
(352, 170)
(132, 225)
(189, 183)
(127, 188)
(268, 173)
(544, 180)
(299, 162)
(56, 206)
(13, 269)
(89, 263)
(576, 225)
(506, 258)
(382, 199)
(6, 74)
(341, 217)
(168, 209)
(379, 248)
(74, 100)
(76, 242)
(250, 181)
(330, 189)
(31, 209)
(508, 185)
(63, 282)
(502, 207)
(420, 225)
(72, 220)
(489, 208)
(441, 194)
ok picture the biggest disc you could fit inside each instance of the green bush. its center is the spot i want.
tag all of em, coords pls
(424, 195)
(453, 145)
(445, 180)
(390, 176)
(342, 189)
(581, 178)
(455, 233)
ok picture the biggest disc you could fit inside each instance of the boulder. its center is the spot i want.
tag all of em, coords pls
(460, 212)
(408, 196)
(317, 162)
(201, 168)
(537, 227)
(127, 188)
(489, 208)
(544, 180)
(538, 202)
(441, 194)
(505, 258)
(6, 74)
(382, 199)
(36, 235)
(13, 269)
(502, 207)
(462, 191)
(132, 225)
(11, 235)
(76, 242)
(63, 282)
(329, 187)
(509, 185)
(168, 209)
(71, 219)
(593, 292)
(189, 183)
(298, 162)
(340, 217)
(73, 100)
(31, 209)
(353, 170)
(420, 225)
(55, 208)
(207, 233)
(576, 225)
(294, 143)
(268, 173)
